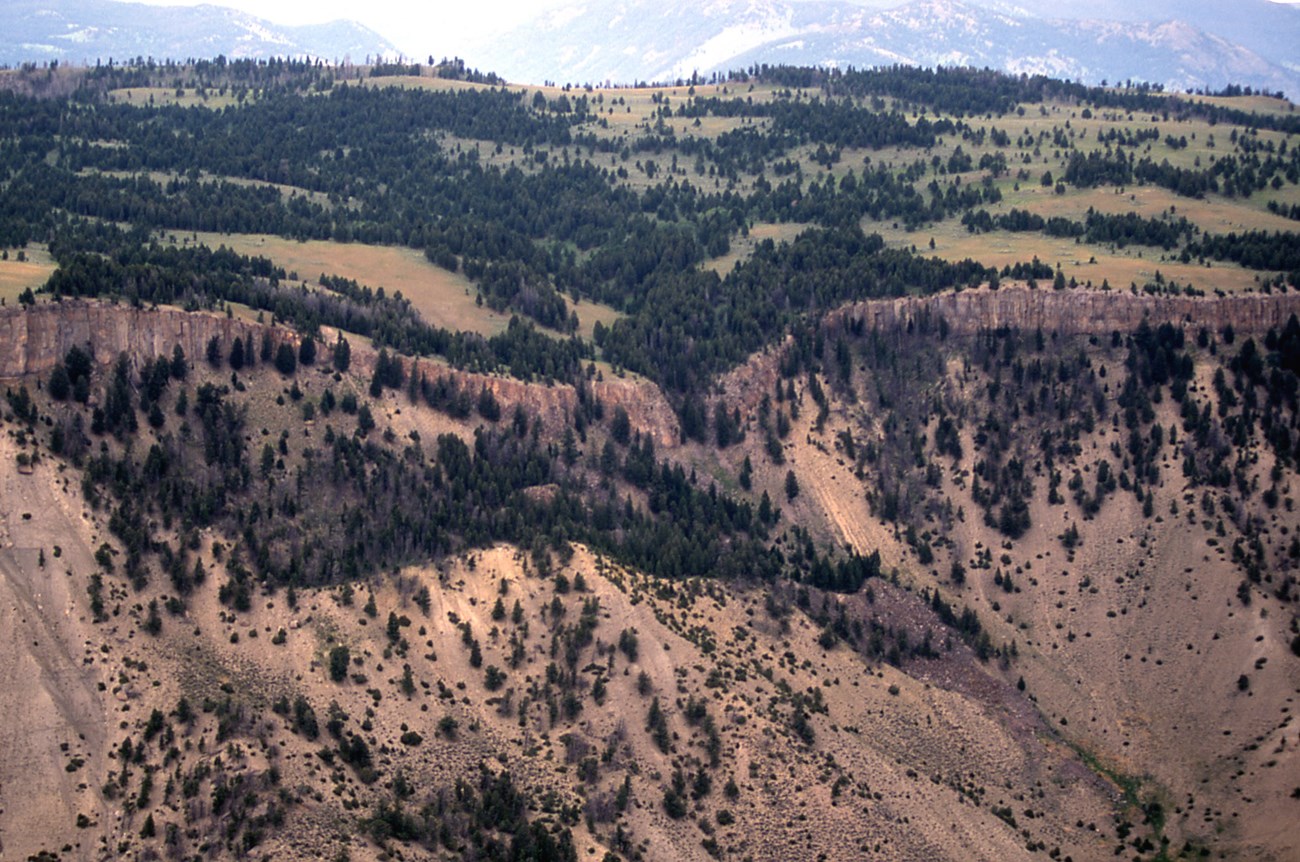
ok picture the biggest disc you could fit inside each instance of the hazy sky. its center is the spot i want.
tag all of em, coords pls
(440, 27)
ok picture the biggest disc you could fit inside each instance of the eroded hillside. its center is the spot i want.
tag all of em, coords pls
(1114, 503)
(293, 608)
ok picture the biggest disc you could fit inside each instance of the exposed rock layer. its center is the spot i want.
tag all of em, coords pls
(33, 340)
(1071, 312)
(966, 313)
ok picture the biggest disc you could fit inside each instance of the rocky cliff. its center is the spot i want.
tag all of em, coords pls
(965, 313)
(1069, 312)
(32, 340)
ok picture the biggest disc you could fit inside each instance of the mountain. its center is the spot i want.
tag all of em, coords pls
(87, 30)
(629, 40)
(1270, 29)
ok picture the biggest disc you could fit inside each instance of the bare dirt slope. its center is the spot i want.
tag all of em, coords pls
(1136, 646)
(54, 712)
(785, 745)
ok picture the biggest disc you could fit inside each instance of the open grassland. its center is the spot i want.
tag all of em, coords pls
(1096, 263)
(1042, 140)
(1087, 264)
(1214, 213)
(185, 97)
(16, 276)
(443, 298)
(1258, 104)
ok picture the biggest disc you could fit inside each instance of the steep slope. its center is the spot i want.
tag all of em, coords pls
(993, 690)
(453, 703)
(1152, 619)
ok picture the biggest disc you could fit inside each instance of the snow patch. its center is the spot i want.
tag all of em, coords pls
(564, 15)
(733, 41)
(82, 36)
(255, 30)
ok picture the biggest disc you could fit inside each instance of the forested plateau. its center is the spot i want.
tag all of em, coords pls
(795, 464)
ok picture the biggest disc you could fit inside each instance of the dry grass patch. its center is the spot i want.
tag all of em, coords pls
(184, 97)
(1084, 263)
(424, 82)
(164, 177)
(16, 276)
(743, 246)
(1213, 214)
(442, 298)
(1256, 104)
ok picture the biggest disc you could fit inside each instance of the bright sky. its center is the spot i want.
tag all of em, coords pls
(436, 27)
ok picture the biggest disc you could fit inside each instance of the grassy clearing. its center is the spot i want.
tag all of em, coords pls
(1084, 263)
(1213, 214)
(1258, 104)
(443, 298)
(163, 177)
(743, 246)
(184, 97)
(422, 82)
(16, 276)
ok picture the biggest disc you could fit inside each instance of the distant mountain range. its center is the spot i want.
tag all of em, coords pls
(1183, 44)
(77, 31)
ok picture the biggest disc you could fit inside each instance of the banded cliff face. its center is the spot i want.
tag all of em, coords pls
(554, 403)
(33, 340)
(966, 313)
(1069, 312)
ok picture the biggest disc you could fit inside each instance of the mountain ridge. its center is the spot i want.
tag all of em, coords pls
(83, 31)
(635, 40)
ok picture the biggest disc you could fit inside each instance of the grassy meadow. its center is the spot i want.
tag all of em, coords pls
(443, 298)
(16, 276)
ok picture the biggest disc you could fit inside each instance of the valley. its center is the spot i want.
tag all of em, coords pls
(773, 468)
